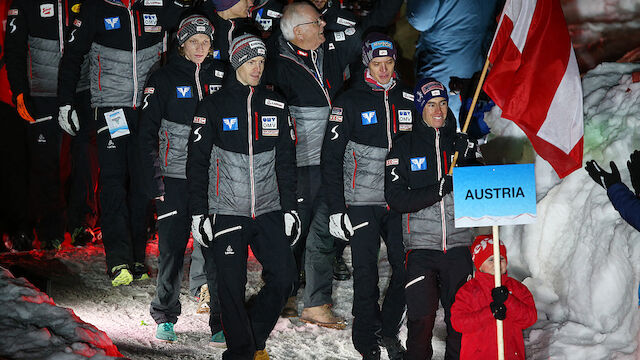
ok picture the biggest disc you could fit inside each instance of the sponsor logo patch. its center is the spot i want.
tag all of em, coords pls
(219, 73)
(381, 44)
(112, 23)
(391, 162)
(270, 132)
(75, 8)
(152, 29)
(382, 52)
(77, 23)
(345, 22)
(149, 90)
(46, 10)
(230, 124)
(150, 19)
(350, 31)
(13, 12)
(199, 120)
(369, 117)
(336, 111)
(153, 2)
(269, 122)
(265, 24)
(405, 127)
(331, 46)
(216, 54)
(404, 116)
(418, 163)
(274, 103)
(407, 96)
(183, 92)
(339, 36)
(336, 118)
(214, 88)
(274, 14)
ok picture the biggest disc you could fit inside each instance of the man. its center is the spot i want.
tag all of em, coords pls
(438, 261)
(336, 17)
(309, 72)
(242, 188)
(363, 123)
(122, 39)
(35, 37)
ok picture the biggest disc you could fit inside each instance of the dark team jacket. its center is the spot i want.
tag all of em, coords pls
(413, 170)
(123, 42)
(336, 17)
(363, 123)
(241, 153)
(33, 48)
(626, 202)
(171, 97)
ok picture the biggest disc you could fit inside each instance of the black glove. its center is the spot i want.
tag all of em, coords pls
(462, 144)
(602, 177)
(446, 185)
(634, 170)
(500, 294)
(498, 310)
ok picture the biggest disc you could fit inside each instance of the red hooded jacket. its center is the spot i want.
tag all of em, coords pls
(471, 316)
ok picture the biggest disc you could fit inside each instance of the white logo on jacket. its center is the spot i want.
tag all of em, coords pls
(46, 10)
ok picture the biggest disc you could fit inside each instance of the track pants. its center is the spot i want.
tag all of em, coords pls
(123, 204)
(369, 323)
(433, 275)
(247, 330)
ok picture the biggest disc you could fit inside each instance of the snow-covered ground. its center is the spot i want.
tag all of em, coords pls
(580, 261)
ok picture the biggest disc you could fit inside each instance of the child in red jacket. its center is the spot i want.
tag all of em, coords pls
(478, 304)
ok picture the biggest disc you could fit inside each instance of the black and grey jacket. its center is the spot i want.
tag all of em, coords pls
(336, 17)
(309, 80)
(123, 42)
(33, 46)
(241, 153)
(171, 97)
(413, 170)
(364, 121)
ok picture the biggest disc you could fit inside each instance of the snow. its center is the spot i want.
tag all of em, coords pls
(580, 261)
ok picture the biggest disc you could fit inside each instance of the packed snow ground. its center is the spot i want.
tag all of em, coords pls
(580, 261)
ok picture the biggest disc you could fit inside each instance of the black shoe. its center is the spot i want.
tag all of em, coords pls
(52, 244)
(139, 271)
(395, 350)
(21, 241)
(82, 236)
(340, 270)
(373, 354)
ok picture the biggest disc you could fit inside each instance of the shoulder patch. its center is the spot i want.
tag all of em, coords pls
(274, 14)
(336, 110)
(339, 35)
(345, 22)
(77, 23)
(152, 2)
(273, 103)
(407, 96)
(391, 162)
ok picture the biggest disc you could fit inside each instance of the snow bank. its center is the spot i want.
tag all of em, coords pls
(581, 260)
(33, 327)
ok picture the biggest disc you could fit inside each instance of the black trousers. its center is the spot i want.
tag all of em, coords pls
(433, 275)
(174, 226)
(369, 323)
(14, 185)
(247, 330)
(43, 141)
(123, 205)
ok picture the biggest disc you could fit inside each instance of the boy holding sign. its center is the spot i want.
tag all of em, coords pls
(478, 304)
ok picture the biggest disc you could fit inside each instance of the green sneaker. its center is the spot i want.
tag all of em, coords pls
(165, 332)
(218, 340)
(120, 275)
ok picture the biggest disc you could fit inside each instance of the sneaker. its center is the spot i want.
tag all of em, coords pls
(51, 244)
(204, 300)
(395, 350)
(218, 340)
(139, 271)
(82, 236)
(261, 355)
(373, 354)
(120, 275)
(322, 316)
(21, 241)
(290, 308)
(340, 270)
(165, 332)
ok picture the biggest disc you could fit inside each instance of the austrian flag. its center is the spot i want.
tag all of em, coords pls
(535, 80)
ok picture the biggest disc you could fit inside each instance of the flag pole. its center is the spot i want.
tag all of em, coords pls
(473, 106)
(497, 274)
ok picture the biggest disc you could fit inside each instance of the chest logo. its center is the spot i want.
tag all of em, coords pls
(183, 92)
(269, 122)
(404, 116)
(369, 117)
(214, 88)
(418, 163)
(216, 54)
(150, 19)
(112, 23)
(230, 124)
(46, 10)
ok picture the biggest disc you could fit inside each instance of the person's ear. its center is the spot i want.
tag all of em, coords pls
(298, 32)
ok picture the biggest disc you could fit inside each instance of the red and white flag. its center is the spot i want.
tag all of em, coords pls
(535, 80)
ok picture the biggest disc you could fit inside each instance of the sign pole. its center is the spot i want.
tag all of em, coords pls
(497, 276)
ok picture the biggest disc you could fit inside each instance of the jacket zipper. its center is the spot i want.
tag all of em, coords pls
(197, 75)
(166, 154)
(386, 107)
(133, 54)
(442, 216)
(324, 91)
(60, 29)
(250, 140)
(355, 169)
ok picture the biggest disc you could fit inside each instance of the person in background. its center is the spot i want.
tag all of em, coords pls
(242, 181)
(479, 304)
(437, 259)
(364, 121)
(171, 96)
(624, 200)
(123, 40)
